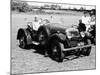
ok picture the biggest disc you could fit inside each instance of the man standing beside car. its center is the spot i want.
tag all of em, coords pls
(81, 26)
(86, 20)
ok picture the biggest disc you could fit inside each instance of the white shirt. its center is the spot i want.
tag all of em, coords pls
(86, 20)
(92, 22)
(36, 25)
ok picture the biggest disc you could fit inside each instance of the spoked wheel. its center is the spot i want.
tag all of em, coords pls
(57, 53)
(22, 42)
(86, 51)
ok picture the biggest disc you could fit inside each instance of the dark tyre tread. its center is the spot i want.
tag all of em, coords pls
(59, 46)
(22, 39)
(87, 51)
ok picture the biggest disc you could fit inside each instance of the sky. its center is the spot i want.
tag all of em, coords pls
(63, 5)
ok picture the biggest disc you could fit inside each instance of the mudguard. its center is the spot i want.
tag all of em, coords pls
(20, 33)
(45, 30)
(58, 36)
(61, 38)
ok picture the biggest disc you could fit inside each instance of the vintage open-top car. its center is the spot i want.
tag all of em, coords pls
(56, 39)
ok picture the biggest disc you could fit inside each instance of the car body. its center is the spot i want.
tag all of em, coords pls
(55, 40)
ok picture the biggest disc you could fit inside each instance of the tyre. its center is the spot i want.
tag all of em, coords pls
(24, 38)
(57, 51)
(86, 51)
(21, 37)
(22, 42)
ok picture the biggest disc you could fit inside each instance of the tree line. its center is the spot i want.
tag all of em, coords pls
(20, 6)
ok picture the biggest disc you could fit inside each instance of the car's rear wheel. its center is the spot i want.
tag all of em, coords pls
(22, 42)
(57, 51)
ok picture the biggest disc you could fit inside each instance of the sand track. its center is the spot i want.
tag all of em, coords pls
(28, 61)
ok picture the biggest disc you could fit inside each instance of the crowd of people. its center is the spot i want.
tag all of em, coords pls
(86, 21)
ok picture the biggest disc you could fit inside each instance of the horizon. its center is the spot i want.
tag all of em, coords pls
(63, 5)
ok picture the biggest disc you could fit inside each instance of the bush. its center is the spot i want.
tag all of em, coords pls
(20, 6)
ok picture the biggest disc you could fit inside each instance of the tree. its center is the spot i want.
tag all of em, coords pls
(82, 9)
(20, 6)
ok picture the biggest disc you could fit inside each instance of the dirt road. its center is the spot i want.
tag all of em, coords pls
(29, 61)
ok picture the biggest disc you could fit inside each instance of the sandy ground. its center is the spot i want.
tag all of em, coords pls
(28, 61)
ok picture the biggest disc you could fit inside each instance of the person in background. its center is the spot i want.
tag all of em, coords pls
(92, 29)
(86, 20)
(81, 26)
(93, 18)
(44, 22)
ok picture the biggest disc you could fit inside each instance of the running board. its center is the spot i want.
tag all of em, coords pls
(79, 47)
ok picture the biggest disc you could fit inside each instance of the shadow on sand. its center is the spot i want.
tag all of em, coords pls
(38, 49)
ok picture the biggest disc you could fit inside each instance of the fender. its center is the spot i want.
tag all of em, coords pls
(21, 32)
(46, 30)
(58, 36)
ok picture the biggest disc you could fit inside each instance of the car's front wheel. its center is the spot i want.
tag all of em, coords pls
(57, 51)
(87, 51)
